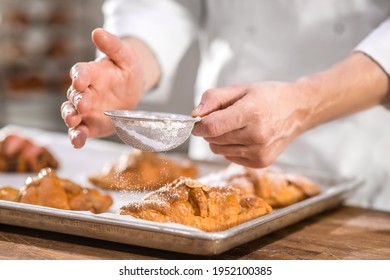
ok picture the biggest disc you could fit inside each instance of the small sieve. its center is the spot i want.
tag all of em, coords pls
(152, 131)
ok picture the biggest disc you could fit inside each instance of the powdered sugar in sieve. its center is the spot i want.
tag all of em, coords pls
(152, 131)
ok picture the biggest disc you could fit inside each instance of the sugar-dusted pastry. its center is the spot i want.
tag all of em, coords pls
(18, 154)
(243, 182)
(47, 189)
(280, 188)
(142, 171)
(189, 202)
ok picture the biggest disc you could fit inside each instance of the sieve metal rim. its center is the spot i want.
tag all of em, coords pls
(151, 116)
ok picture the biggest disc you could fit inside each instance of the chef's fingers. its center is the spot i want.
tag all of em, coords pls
(230, 150)
(71, 94)
(243, 161)
(83, 101)
(222, 121)
(67, 108)
(82, 75)
(112, 46)
(254, 156)
(78, 136)
(70, 115)
(219, 98)
(244, 136)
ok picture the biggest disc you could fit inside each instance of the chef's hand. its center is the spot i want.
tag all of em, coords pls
(114, 82)
(250, 124)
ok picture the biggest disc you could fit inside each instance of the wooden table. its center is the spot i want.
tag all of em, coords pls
(341, 233)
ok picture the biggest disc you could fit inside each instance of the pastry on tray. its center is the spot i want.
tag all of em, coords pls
(189, 202)
(142, 171)
(47, 189)
(275, 186)
(19, 154)
(9, 193)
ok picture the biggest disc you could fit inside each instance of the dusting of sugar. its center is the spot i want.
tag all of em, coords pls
(221, 177)
(127, 160)
(153, 135)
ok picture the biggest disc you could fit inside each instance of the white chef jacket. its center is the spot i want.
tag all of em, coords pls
(250, 40)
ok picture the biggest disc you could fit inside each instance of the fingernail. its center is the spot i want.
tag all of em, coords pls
(68, 91)
(197, 110)
(75, 75)
(77, 100)
(72, 92)
(68, 112)
(74, 134)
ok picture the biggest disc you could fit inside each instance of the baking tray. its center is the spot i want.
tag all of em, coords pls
(77, 164)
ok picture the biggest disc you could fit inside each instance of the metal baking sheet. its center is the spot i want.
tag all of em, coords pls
(78, 164)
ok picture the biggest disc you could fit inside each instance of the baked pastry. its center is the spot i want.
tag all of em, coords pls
(142, 171)
(22, 82)
(189, 202)
(18, 154)
(243, 182)
(9, 193)
(47, 189)
(280, 188)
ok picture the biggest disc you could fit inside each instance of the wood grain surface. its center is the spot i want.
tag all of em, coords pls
(342, 233)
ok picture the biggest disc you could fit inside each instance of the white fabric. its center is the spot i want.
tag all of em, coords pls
(251, 40)
(168, 36)
(377, 45)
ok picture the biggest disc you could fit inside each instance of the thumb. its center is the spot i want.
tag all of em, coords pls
(112, 46)
(218, 99)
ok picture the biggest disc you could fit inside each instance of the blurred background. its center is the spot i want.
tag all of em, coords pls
(40, 41)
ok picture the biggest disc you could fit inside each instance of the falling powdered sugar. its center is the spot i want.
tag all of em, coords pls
(151, 136)
(153, 132)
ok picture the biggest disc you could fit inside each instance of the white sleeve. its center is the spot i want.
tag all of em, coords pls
(164, 25)
(377, 45)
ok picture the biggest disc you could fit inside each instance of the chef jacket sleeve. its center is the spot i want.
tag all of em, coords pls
(377, 46)
(166, 26)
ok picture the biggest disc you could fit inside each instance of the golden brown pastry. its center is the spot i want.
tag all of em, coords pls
(243, 182)
(47, 189)
(18, 154)
(281, 189)
(142, 171)
(9, 193)
(189, 202)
